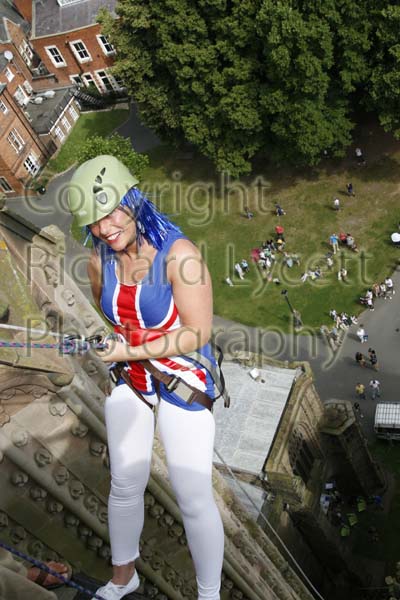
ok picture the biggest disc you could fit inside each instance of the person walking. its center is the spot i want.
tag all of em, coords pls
(336, 204)
(361, 334)
(390, 287)
(357, 410)
(360, 391)
(150, 281)
(375, 386)
(350, 190)
(373, 359)
(360, 359)
(360, 156)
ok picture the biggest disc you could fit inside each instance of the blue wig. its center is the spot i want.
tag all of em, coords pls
(151, 225)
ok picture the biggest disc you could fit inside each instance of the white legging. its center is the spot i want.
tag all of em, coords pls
(188, 438)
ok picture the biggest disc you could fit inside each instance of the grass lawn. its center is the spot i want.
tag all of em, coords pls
(192, 194)
(96, 123)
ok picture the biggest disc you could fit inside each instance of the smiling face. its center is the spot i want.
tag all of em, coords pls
(117, 230)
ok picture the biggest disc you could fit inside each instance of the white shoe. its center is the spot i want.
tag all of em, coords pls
(112, 591)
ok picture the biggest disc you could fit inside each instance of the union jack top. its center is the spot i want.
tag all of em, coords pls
(145, 311)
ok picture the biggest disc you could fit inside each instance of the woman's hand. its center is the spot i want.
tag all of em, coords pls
(116, 352)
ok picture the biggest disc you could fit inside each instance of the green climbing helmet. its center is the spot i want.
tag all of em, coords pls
(97, 187)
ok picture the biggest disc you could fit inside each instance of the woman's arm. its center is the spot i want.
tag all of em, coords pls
(192, 293)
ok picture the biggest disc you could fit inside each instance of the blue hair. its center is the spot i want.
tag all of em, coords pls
(151, 225)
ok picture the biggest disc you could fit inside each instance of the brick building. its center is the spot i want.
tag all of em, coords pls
(64, 33)
(48, 50)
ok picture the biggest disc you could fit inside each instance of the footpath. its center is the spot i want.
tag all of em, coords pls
(336, 373)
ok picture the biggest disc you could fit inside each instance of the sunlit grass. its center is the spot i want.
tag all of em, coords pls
(95, 123)
(190, 191)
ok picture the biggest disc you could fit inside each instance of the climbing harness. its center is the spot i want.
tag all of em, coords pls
(46, 569)
(177, 385)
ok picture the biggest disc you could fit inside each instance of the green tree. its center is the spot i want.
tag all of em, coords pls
(117, 146)
(384, 85)
(314, 58)
(240, 77)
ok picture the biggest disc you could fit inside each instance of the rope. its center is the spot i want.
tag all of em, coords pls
(305, 578)
(67, 346)
(47, 569)
(5, 344)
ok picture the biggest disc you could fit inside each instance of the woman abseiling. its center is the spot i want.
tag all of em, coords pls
(150, 281)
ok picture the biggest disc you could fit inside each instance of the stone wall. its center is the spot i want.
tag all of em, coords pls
(53, 450)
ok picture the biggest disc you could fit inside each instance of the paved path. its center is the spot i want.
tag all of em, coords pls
(335, 374)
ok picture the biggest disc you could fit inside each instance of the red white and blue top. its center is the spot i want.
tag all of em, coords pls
(145, 311)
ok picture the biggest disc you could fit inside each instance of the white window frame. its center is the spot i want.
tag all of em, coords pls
(26, 52)
(3, 107)
(56, 54)
(21, 96)
(76, 79)
(67, 2)
(16, 140)
(27, 87)
(73, 112)
(5, 186)
(59, 133)
(88, 79)
(66, 124)
(31, 164)
(81, 59)
(113, 83)
(106, 46)
(9, 74)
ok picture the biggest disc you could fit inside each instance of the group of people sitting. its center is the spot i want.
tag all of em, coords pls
(343, 320)
(313, 274)
(384, 290)
(265, 256)
(290, 259)
(348, 240)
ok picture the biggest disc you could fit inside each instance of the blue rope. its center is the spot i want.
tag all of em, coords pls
(46, 569)
(67, 346)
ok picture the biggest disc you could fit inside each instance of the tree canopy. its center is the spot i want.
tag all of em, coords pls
(279, 77)
(117, 146)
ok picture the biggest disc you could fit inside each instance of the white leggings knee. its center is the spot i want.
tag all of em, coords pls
(188, 438)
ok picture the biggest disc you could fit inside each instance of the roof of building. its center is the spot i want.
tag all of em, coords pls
(49, 18)
(7, 11)
(245, 432)
(44, 116)
(3, 62)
